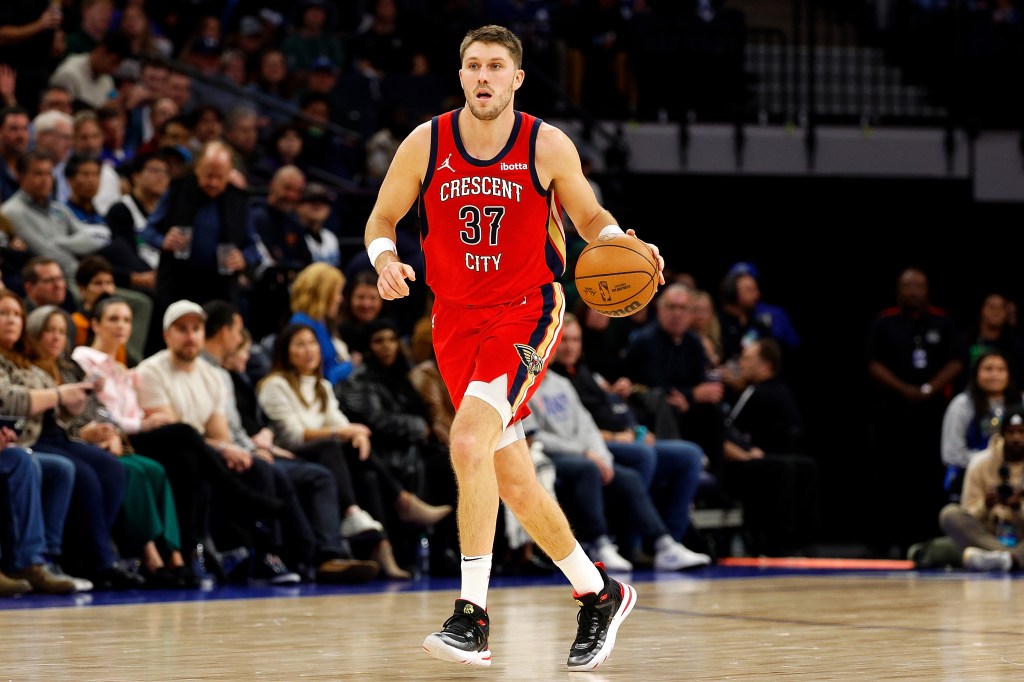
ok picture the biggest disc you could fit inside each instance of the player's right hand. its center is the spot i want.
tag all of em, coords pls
(391, 281)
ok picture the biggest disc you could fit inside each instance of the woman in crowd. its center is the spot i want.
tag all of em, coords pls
(149, 513)
(316, 297)
(974, 416)
(302, 408)
(26, 390)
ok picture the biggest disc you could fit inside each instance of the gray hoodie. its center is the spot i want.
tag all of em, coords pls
(560, 421)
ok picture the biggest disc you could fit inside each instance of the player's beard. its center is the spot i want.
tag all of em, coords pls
(496, 105)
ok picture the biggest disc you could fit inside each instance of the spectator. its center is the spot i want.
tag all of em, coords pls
(302, 408)
(150, 178)
(96, 18)
(320, 502)
(44, 284)
(149, 515)
(52, 132)
(381, 395)
(13, 143)
(276, 224)
(312, 37)
(134, 25)
(315, 299)
(361, 304)
(241, 132)
(207, 124)
(705, 324)
(993, 331)
(83, 177)
(178, 384)
(669, 358)
(974, 416)
(87, 141)
(744, 318)
(24, 562)
(89, 77)
(669, 469)
(218, 215)
(573, 442)
(113, 122)
(48, 228)
(151, 86)
(322, 79)
(987, 525)
(764, 468)
(384, 46)
(313, 210)
(99, 479)
(283, 149)
(312, 542)
(55, 98)
(194, 469)
(97, 278)
(270, 89)
(913, 355)
(178, 88)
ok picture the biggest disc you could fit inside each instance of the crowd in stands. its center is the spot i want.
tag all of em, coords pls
(203, 382)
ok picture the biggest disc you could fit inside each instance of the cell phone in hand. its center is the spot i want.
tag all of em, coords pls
(14, 423)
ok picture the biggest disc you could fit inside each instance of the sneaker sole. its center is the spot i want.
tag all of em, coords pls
(625, 608)
(435, 646)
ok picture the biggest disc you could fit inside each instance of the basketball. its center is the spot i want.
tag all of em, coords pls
(616, 275)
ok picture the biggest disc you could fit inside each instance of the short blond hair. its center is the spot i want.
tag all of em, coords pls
(313, 289)
(495, 34)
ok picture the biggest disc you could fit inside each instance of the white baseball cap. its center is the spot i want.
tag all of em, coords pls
(180, 309)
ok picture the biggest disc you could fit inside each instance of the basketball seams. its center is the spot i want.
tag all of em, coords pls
(602, 277)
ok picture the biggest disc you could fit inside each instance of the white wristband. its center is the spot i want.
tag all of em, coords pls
(379, 246)
(610, 229)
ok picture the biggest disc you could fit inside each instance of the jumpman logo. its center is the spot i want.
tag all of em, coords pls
(447, 164)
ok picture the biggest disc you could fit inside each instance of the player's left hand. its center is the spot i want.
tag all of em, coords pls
(657, 256)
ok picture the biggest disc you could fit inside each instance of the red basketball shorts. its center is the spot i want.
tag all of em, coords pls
(499, 353)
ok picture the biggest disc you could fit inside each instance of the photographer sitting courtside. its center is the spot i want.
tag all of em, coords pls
(988, 525)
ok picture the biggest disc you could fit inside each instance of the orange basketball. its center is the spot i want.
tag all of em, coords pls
(616, 275)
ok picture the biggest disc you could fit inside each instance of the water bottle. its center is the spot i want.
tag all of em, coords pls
(422, 567)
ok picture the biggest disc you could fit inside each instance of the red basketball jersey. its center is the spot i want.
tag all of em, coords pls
(490, 231)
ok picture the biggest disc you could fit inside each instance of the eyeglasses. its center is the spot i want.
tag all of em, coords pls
(52, 280)
(676, 307)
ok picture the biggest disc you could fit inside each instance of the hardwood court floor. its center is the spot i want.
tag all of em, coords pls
(832, 626)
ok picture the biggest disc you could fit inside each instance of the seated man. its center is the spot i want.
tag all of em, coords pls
(47, 227)
(763, 468)
(178, 383)
(988, 525)
(573, 442)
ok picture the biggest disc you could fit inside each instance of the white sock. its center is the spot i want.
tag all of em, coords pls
(476, 574)
(581, 572)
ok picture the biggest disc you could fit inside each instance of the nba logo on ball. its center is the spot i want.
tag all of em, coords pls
(616, 275)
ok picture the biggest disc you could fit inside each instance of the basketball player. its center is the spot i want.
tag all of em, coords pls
(489, 181)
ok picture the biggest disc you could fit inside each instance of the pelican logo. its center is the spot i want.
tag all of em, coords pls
(447, 164)
(606, 295)
(534, 363)
(468, 610)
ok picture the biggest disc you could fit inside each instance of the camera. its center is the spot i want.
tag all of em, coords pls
(1004, 490)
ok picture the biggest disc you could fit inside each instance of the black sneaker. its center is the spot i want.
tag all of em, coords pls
(463, 639)
(599, 619)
